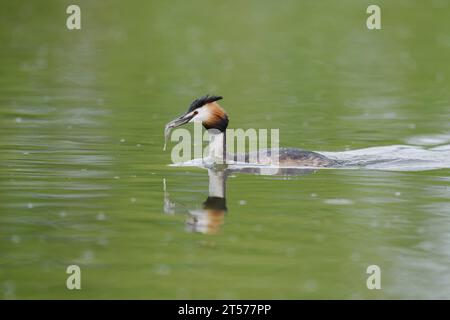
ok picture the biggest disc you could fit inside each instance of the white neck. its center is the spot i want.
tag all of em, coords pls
(216, 146)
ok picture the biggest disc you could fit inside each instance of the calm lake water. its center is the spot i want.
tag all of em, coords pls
(84, 180)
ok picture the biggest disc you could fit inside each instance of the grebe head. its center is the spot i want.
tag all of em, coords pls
(205, 110)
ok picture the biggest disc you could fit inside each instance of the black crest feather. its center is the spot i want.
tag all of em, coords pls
(200, 102)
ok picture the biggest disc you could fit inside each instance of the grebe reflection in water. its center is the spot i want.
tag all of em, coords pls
(211, 216)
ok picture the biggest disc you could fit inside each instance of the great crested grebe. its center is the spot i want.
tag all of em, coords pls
(207, 110)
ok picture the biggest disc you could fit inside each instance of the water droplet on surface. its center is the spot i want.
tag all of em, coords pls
(15, 239)
(258, 228)
(101, 216)
(87, 256)
(102, 241)
(310, 285)
(355, 256)
(339, 202)
(9, 290)
(319, 237)
(162, 270)
(291, 252)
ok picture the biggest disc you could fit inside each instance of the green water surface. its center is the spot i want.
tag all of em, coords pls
(82, 114)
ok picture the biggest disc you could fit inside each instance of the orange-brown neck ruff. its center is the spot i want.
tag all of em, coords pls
(217, 118)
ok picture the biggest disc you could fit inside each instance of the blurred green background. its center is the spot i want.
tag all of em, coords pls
(82, 168)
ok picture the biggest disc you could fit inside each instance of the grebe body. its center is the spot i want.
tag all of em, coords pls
(212, 116)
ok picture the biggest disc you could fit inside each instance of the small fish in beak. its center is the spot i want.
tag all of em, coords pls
(176, 123)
